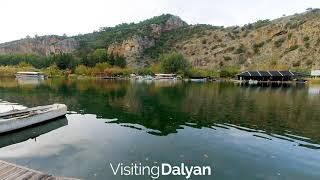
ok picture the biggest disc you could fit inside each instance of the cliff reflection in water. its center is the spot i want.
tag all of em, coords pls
(162, 109)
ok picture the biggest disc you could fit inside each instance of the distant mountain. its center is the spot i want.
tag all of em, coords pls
(288, 42)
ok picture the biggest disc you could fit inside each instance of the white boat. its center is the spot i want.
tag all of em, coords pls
(28, 75)
(198, 79)
(165, 77)
(17, 119)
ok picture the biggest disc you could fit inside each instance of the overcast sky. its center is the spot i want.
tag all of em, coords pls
(20, 18)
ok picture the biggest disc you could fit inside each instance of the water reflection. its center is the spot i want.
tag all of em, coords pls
(29, 81)
(31, 132)
(249, 132)
(314, 90)
(163, 109)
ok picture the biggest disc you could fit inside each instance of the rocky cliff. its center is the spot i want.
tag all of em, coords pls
(43, 45)
(133, 48)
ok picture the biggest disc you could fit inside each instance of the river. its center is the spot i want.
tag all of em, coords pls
(247, 132)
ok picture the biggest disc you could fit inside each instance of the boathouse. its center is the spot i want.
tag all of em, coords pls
(269, 75)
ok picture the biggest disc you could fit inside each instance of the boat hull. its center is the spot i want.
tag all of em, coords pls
(55, 111)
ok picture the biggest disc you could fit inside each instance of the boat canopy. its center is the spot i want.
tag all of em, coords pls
(33, 73)
(166, 75)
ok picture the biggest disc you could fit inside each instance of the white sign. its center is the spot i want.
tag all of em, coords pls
(156, 171)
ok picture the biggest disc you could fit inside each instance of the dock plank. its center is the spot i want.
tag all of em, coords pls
(9, 171)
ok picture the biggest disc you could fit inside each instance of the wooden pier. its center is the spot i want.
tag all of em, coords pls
(10, 171)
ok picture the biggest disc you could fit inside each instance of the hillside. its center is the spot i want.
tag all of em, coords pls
(44, 45)
(288, 42)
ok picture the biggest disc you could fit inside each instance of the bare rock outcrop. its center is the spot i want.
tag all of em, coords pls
(173, 22)
(43, 45)
(132, 48)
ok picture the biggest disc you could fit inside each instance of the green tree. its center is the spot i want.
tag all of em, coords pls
(100, 55)
(120, 61)
(97, 56)
(111, 59)
(174, 62)
(65, 61)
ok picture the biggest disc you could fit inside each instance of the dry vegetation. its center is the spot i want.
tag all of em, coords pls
(286, 43)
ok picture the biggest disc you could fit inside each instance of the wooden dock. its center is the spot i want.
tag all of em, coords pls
(10, 171)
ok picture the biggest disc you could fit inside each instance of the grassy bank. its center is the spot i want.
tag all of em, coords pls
(105, 70)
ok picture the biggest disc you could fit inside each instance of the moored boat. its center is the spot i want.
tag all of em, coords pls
(165, 77)
(18, 119)
(29, 75)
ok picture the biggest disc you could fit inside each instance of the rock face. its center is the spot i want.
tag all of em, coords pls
(44, 45)
(132, 49)
(173, 22)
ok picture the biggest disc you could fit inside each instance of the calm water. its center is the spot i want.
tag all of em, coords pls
(247, 132)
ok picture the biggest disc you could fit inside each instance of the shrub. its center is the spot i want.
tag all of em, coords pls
(24, 64)
(53, 71)
(256, 47)
(307, 45)
(261, 23)
(293, 25)
(197, 73)
(204, 41)
(273, 62)
(35, 60)
(296, 64)
(97, 56)
(227, 58)
(318, 42)
(155, 68)
(65, 61)
(291, 48)
(120, 61)
(117, 71)
(229, 72)
(242, 60)
(306, 38)
(309, 62)
(173, 62)
(7, 71)
(241, 49)
(278, 43)
(83, 70)
(102, 66)
(143, 71)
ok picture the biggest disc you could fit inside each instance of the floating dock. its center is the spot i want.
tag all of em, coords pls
(10, 171)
